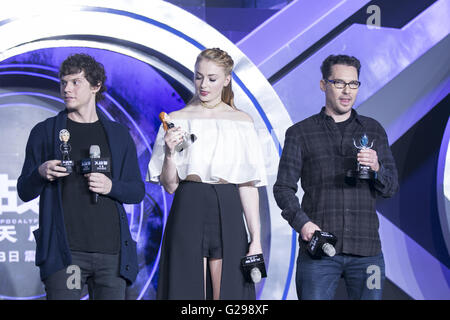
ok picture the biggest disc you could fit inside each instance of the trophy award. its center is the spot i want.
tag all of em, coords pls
(362, 172)
(188, 138)
(65, 148)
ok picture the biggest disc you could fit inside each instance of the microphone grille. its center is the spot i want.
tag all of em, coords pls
(94, 151)
(255, 274)
(328, 249)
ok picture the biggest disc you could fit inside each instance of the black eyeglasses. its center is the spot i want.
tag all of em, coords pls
(341, 84)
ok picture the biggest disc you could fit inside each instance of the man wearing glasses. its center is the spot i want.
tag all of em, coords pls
(320, 150)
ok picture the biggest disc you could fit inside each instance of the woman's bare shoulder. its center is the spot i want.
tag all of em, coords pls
(183, 113)
(240, 115)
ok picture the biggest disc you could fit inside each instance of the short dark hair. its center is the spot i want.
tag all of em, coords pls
(93, 71)
(338, 59)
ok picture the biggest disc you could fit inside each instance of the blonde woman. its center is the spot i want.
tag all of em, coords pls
(215, 183)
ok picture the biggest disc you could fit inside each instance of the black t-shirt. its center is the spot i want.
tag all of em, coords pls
(89, 227)
(341, 125)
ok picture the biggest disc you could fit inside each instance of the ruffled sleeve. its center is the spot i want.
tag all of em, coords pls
(157, 158)
(225, 151)
(255, 158)
(238, 157)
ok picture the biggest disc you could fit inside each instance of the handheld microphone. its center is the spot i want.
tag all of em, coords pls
(254, 268)
(95, 164)
(322, 244)
(94, 153)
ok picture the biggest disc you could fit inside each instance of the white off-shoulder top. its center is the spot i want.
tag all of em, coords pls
(225, 151)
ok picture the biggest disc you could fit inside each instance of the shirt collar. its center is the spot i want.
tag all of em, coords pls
(355, 116)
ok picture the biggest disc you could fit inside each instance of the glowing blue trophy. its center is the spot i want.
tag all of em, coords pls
(362, 172)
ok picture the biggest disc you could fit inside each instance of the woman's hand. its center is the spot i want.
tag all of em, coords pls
(173, 137)
(255, 248)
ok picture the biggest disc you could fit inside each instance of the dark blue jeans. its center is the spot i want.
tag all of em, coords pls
(98, 270)
(318, 279)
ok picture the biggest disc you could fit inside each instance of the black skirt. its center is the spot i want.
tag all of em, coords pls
(212, 230)
(205, 220)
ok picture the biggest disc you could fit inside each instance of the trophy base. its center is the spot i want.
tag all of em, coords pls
(68, 164)
(363, 175)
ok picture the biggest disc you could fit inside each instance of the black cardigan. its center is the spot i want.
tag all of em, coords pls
(52, 249)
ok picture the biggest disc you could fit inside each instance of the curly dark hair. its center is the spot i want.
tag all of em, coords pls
(93, 71)
(338, 59)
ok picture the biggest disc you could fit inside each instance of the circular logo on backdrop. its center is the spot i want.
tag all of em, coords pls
(19, 275)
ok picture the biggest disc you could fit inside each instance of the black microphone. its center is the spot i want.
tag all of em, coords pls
(322, 243)
(95, 164)
(254, 268)
(94, 153)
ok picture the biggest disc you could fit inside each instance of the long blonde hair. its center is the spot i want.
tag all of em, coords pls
(223, 59)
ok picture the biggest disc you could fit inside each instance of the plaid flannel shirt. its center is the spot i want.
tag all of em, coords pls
(316, 152)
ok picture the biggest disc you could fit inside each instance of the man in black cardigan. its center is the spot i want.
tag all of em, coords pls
(79, 240)
(320, 150)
